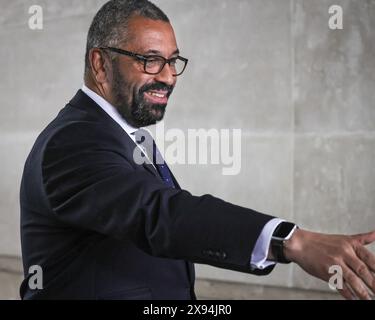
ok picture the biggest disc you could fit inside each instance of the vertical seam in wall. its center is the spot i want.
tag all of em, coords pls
(292, 66)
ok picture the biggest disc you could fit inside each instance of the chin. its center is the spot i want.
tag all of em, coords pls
(158, 115)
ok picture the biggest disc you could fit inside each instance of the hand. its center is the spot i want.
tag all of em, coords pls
(317, 252)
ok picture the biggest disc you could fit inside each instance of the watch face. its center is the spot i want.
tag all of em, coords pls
(284, 230)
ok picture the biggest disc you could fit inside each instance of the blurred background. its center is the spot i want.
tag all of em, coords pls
(302, 94)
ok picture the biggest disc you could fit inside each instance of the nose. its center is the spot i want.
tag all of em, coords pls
(166, 76)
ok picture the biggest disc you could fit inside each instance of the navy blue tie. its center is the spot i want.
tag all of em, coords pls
(144, 138)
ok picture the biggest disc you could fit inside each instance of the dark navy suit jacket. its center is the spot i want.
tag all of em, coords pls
(103, 227)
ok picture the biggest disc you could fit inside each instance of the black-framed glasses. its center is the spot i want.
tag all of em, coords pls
(154, 64)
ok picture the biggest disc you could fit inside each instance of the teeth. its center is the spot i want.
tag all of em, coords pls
(157, 95)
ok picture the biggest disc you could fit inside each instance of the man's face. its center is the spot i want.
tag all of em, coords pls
(139, 97)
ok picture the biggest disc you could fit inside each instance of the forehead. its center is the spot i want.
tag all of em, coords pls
(146, 34)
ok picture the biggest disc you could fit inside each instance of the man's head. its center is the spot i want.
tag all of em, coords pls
(129, 78)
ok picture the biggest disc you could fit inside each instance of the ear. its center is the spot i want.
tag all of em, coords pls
(100, 67)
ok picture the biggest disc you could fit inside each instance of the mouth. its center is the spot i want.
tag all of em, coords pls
(157, 96)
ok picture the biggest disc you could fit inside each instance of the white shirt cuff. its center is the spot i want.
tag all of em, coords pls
(260, 252)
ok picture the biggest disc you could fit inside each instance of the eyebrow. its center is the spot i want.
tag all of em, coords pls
(157, 52)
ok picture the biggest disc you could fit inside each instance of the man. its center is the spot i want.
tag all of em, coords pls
(101, 225)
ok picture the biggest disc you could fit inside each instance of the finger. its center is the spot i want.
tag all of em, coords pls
(362, 271)
(355, 283)
(366, 256)
(346, 292)
(365, 238)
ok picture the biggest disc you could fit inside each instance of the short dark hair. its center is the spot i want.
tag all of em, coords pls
(109, 25)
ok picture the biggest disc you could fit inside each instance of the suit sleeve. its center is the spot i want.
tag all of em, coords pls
(90, 184)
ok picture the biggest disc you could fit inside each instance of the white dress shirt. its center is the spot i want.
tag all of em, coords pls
(259, 255)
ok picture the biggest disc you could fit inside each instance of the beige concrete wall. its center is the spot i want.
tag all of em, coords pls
(302, 94)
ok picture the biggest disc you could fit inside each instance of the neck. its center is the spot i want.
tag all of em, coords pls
(99, 88)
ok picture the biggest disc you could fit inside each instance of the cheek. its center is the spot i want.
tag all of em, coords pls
(138, 85)
(135, 91)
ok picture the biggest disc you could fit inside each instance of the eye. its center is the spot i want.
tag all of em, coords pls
(154, 61)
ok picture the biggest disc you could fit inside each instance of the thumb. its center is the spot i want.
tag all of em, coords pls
(365, 238)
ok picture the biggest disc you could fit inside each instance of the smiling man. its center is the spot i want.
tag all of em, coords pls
(102, 226)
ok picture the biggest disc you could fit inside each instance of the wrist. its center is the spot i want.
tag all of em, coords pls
(293, 246)
(281, 234)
